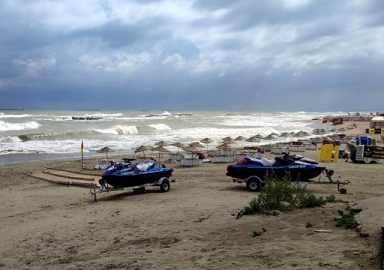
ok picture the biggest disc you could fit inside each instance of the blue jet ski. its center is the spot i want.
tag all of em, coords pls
(298, 167)
(131, 174)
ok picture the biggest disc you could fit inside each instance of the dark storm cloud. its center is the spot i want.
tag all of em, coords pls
(186, 55)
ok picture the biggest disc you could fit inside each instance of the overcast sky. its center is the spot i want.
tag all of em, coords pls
(264, 55)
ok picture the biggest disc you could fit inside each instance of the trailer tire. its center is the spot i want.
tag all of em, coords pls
(165, 185)
(343, 191)
(253, 184)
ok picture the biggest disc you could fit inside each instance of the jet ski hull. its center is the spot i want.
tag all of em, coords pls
(298, 167)
(296, 172)
(125, 177)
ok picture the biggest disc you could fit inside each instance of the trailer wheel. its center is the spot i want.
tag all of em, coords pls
(253, 184)
(343, 191)
(165, 185)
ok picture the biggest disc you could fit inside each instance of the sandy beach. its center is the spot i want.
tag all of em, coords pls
(193, 226)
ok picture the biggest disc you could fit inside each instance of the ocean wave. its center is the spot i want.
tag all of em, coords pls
(160, 126)
(3, 115)
(4, 126)
(165, 113)
(119, 130)
(9, 139)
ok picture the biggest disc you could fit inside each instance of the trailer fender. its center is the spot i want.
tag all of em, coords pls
(160, 181)
(254, 183)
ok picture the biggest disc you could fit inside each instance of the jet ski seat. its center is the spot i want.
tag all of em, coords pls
(145, 166)
(267, 162)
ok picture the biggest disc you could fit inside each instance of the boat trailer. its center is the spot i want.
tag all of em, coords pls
(328, 174)
(104, 187)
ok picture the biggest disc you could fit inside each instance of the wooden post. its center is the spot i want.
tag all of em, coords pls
(82, 155)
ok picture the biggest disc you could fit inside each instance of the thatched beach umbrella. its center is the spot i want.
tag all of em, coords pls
(224, 146)
(162, 143)
(207, 141)
(191, 149)
(229, 141)
(252, 140)
(259, 136)
(105, 150)
(143, 148)
(160, 149)
(270, 137)
(197, 144)
(285, 135)
(240, 138)
(178, 145)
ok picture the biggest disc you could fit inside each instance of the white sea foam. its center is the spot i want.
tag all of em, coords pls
(118, 130)
(160, 126)
(4, 126)
(3, 115)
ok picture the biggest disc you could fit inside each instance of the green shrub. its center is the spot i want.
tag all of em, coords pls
(253, 208)
(346, 220)
(330, 198)
(256, 233)
(308, 200)
(283, 196)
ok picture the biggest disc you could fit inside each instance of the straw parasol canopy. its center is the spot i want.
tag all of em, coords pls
(197, 144)
(252, 140)
(259, 136)
(191, 148)
(162, 143)
(226, 138)
(160, 149)
(105, 150)
(207, 141)
(229, 141)
(178, 145)
(240, 138)
(285, 135)
(143, 148)
(270, 137)
(224, 146)
(301, 134)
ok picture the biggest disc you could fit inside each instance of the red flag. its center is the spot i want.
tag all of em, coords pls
(324, 121)
(82, 146)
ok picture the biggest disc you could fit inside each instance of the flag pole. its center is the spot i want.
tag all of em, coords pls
(82, 155)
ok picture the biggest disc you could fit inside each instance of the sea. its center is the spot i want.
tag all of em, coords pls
(30, 135)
